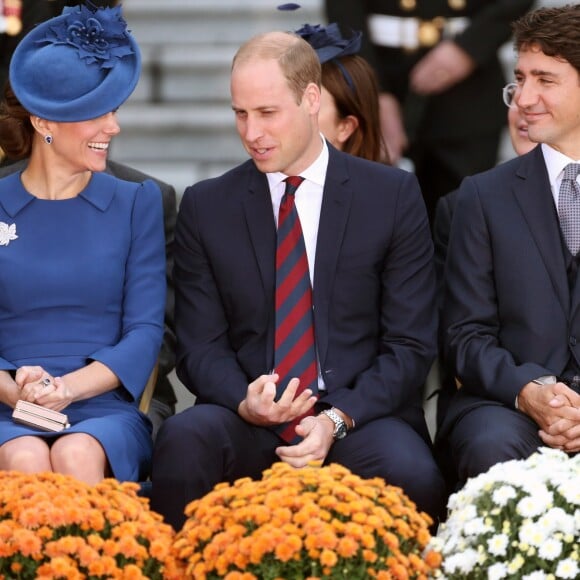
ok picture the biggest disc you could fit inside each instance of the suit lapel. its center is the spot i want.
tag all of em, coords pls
(336, 200)
(261, 227)
(533, 195)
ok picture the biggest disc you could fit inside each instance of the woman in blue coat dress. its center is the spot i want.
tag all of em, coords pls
(82, 257)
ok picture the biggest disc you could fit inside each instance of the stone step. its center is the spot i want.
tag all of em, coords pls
(214, 22)
(177, 122)
(187, 46)
(184, 72)
(179, 143)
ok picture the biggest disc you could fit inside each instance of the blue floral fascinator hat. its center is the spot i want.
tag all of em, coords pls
(328, 41)
(77, 66)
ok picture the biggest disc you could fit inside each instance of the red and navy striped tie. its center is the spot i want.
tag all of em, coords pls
(295, 352)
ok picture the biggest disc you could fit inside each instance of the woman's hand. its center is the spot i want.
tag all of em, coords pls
(33, 382)
(56, 396)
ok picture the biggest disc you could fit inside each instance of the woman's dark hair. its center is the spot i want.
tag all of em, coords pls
(357, 96)
(16, 131)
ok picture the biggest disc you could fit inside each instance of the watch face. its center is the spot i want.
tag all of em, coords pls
(339, 425)
(340, 431)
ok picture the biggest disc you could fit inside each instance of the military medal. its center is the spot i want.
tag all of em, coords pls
(456, 4)
(408, 4)
(428, 33)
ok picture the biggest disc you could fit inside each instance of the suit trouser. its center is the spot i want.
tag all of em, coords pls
(208, 444)
(489, 434)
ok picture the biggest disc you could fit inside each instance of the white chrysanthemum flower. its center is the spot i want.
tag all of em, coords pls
(568, 568)
(550, 549)
(536, 575)
(535, 504)
(476, 527)
(532, 534)
(570, 490)
(556, 519)
(497, 571)
(466, 514)
(502, 495)
(462, 562)
(497, 545)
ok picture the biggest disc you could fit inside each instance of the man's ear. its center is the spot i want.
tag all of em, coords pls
(312, 98)
(346, 127)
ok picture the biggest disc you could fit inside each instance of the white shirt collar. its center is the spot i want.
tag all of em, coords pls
(555, 164)
(316, 173)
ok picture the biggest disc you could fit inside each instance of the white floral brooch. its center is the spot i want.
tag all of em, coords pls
(7, 233)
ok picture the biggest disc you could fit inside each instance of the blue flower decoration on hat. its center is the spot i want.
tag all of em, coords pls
(328, 41)
(77, 66)
(98, 36)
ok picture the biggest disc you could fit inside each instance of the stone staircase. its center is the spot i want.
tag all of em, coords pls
(178, 125)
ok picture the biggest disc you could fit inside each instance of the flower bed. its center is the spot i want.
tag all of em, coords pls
(305, 524)
(53, 526)
(519, 520)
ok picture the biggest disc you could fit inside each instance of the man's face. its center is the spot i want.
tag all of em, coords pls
(518, 129)
(279, 133)
(548, 98)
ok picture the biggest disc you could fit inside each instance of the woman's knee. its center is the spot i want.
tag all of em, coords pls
(77, 454)
(26, 454)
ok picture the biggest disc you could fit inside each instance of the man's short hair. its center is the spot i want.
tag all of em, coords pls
(298, 60)
(556, 31)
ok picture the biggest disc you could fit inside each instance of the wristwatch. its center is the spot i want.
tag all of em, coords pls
(340, 428)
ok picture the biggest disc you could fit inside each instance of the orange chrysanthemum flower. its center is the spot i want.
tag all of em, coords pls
(309, 524)
(54, 526)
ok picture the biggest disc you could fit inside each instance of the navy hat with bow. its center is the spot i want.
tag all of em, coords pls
(328, 41)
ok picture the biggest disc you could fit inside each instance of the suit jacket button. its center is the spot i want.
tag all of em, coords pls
(573, 340)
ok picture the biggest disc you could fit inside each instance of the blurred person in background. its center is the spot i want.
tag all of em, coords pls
(439, 75)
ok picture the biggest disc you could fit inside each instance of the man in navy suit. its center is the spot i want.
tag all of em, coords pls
(512, 311)
(370, 255)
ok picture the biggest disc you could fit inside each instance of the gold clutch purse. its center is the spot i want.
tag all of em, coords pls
(39, 417)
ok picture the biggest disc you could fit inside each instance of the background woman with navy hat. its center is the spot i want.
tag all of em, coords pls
(349, 107)
(82, 259)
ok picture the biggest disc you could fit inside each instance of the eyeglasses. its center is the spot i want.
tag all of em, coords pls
(508, 94)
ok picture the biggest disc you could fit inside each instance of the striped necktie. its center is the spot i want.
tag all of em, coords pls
(295, 353)
(569, 207)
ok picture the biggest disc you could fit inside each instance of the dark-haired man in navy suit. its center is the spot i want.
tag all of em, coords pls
(369, 254)
(512, 310)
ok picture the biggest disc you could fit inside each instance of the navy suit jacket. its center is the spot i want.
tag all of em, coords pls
(374, 288)
(508, 311)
